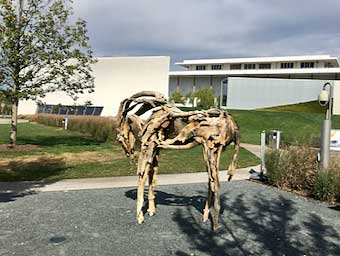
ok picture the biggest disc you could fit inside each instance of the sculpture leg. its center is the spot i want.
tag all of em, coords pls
(217, 205)
(152, 184)
(207, 204)
(213, 161)
(232, 166)
(140, 195)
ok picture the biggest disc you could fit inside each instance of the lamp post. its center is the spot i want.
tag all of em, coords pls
(326, 98)
(223, 81)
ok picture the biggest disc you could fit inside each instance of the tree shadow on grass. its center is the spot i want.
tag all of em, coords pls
(49, 141)
(32, 174)
(251, 225)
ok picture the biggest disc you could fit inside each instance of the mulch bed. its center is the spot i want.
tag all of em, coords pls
(26, 147)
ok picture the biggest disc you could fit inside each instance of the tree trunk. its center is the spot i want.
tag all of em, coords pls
(14, 121)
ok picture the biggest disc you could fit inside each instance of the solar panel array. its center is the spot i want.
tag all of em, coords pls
(69, 110)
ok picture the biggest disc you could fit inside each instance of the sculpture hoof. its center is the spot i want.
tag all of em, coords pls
(151, 212)
(215, 227)
(205, 216)
(140, 219)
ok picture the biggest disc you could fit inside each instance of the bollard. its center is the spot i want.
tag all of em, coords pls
(274, 139)
(263, 151)
(65, 123)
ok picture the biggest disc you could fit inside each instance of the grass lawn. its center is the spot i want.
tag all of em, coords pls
(52, 154)
(307, 107)
(298, 128)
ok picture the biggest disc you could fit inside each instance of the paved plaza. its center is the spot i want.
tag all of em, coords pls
(255, 220)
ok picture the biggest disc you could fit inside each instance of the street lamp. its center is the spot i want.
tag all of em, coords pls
(326, 98)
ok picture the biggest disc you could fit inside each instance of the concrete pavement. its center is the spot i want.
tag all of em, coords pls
(8, 121)
(255, 220)
(116, 182)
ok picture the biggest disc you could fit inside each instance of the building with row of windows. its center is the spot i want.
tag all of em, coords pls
(248, 83)
(239, 83)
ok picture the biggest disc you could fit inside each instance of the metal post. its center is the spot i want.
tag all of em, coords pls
(326, 131)
(263, 150)
(325, 141)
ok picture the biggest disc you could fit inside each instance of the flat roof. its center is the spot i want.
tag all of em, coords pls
(256, 72)
(259, 59)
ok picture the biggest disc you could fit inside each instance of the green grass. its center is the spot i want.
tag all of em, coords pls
(298, 128)
(307, 107)
(48, 163)
(50, 139)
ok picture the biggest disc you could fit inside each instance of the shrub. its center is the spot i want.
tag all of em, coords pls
(100, 128)
(294, 168)
(206, 97)
(327, 185)
(177, 97)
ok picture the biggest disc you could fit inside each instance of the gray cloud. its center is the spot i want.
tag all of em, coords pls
(211, 29)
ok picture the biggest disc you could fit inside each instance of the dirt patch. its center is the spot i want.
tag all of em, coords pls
(90, 157)
(26, 147)
(68, 158)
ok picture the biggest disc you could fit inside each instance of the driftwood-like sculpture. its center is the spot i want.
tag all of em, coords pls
(170, 128)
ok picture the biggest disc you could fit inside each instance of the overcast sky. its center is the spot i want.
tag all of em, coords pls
(192, 29)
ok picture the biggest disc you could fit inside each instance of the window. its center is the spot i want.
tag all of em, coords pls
(287, 65)
(235, 66)
(307, 65)
(249, 66)
(329, 65)
(216, 67)
(200, 67)
(265, 66)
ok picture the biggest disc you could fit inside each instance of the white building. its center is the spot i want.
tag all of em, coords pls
(116, 78)
(248, 83)
(245, 83)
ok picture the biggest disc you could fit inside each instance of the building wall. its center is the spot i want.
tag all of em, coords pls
(188, 84)
(336, 101)
(252, 93)
(116, 78)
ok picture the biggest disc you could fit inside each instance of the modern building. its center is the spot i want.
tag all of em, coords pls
(116, 78)
(248, 83)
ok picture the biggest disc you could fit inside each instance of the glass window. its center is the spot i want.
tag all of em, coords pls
(249, 66)
(265, 66)
(216, 67)
(200, 67)
(287, 65)
(235, 66)
(307, 65)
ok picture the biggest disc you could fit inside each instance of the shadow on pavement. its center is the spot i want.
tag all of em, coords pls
(337, 207)
(39, 170)
(251, 225)
(164, 198)
(260, 227)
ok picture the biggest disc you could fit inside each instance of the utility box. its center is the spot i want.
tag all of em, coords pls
(336, 98)
(274, 139)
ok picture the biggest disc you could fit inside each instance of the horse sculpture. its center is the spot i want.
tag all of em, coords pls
(170, 128)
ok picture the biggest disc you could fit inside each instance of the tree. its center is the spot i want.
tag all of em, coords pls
(205, 96)
(177, 97)
(42, 51)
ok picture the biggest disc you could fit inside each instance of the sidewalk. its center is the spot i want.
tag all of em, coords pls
(116, 182)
